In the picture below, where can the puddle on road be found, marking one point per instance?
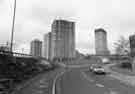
(99, 85)
(87, 78)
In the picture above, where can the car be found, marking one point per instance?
(91, 67)
(96, 69)
(105, 61)
(99, 70)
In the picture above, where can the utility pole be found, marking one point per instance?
(13, 25)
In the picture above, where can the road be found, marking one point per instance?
(76, 80)
(81, 81)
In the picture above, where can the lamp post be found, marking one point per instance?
(13, 25)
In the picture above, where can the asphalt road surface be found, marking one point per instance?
(81, 81)
(76, 80)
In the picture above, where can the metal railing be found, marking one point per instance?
(15, 54)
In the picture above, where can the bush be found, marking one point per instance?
(20, 68)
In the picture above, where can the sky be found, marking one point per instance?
(34, 19)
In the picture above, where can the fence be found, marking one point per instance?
(20, 54)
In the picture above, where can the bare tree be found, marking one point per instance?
(122, 46)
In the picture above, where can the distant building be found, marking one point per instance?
(36, 47)
(63, 40)
(79, 55)
(5, 48)
(101, 42)
(46, 51)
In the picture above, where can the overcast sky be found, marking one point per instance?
(34, 18)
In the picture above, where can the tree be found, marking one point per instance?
(122, 46)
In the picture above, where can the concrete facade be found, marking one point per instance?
(132, 45)
(46, 49)
(132, 50)
(63, 40)
(36, 47)
(101, 42)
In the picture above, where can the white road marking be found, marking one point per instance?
(40, 92)
(54, 82)
(113, 92)
(99, 85)
(43, 86)
(42, 81)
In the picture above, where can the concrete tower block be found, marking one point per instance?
(101, 42)
(63, 40)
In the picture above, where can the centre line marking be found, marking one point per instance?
(86, 77)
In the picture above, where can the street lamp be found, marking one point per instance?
(13, 25)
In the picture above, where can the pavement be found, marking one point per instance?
(128, 80)
(42, 84)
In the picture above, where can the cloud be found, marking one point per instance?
(34, 18)
(46, 10)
